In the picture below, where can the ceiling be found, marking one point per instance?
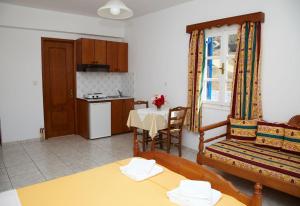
(89, 7)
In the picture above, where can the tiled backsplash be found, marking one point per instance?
(107, 83)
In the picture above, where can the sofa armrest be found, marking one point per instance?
(210, 127)
(213, 126)
(215, 138)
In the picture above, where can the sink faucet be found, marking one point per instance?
(120, 93)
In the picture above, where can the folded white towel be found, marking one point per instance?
(10, 198)
(194, 193)
(141, 169)
(139, 164)
(192, 188)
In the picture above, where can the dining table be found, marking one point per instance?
(147, 119)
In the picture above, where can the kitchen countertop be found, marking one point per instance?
(104, 100)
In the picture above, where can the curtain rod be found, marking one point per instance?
(253, 17)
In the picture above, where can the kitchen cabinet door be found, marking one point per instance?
(83, 118)
(85, 51)
(100, 52)
(117, 116)
(112, 56)
(122, 57)
(127, 107)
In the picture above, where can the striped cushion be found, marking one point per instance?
(243, 130)
(269, 134)
(264, 161)
(291, 139)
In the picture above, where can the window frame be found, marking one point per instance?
(224, 33)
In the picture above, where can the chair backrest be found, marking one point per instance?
(176, 118)
(295, 121)
(140, 102)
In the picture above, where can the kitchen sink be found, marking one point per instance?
(116, 96)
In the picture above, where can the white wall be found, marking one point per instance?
(157, 55)
(46, 20)
(159, 47)
(21, 101)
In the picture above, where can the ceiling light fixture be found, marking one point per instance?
(115, 9)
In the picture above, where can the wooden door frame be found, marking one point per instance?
(43, 40)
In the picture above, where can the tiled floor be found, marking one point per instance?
(29, 162)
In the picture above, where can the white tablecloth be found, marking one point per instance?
(149, 119)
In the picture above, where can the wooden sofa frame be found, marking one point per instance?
(194, 171)
(243, 173)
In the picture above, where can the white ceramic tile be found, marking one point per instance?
(12, 148)
(1, 163)
(26, 179)
(42, 156)
(4, 179)
(83, 165)
(44, 163)
(4, 186)
(21, 169)
(54, 171)
(3, 172)
(107, 83)
(16, 159)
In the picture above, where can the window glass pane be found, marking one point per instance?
(230, 68)
(212, 90)
(214, 68)
(232, 44)
(213, 46)
(228, 91)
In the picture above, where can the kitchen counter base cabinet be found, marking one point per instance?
(119, 114)
(120, 109)
(83, 118)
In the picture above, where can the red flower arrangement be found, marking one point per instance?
(158, 101)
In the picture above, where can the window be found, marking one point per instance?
(220, 54)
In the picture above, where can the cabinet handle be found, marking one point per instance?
(71, 93)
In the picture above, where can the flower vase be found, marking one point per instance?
(158, 108)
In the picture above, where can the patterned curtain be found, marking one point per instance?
(246, 98)
(196, 67)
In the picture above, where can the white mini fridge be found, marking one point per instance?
(99, 119)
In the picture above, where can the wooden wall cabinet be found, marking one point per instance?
(119, 114)
(90, 51)
(93, 51)
(117, 56)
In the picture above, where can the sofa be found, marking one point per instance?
(265, 153)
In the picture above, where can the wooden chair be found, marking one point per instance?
(145, 136)
(139, 102)
(174, 131)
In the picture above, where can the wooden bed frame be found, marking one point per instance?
(239, 172)
(195, 171)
